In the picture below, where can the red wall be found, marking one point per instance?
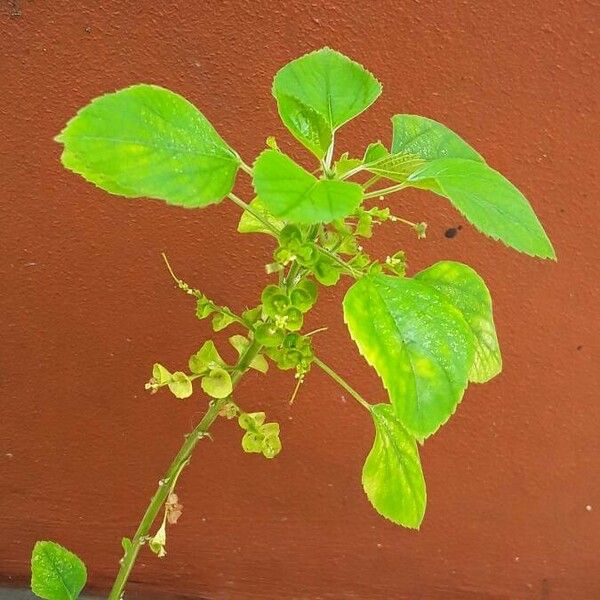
(87, 307)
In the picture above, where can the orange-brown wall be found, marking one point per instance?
(87, 307)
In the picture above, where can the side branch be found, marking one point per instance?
(341, 382)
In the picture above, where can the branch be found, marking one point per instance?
(342, 382)
(177, 465)
(385, 191)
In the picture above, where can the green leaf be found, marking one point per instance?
(462, 286)
(270, 429)
(204, 307)
(489, 201)
(292, 193)
(251, 421)
(271, 446)
(252, 315)
(250, 224)
(252, 442)
(147, 141)
(319, 92)
(392, 477)
(429, 140)
(396, 167)
(305, 124)
(160, 374)
(126, 544)
(345, 164)
(180, 385)
(205, 359)
(419, 344)
(56, 573)
(259, 363)
(374, 152)
(221, 320)
(271, 142)
(239, 342)
(217, 384)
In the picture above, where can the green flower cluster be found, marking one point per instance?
(295, 244)
(260, 437)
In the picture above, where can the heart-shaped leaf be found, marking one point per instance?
(145, 140)
(217, 383)
(419, 344)
(319, 92)
(206, 358)
(180, 385)
(291, 193)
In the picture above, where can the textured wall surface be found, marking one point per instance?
(87, 307)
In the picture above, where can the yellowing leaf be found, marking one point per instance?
(419, 344)
(462, 286)
(145, 140)
(392, 477)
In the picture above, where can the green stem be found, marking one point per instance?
(405, 221)
(385, 191)
(246, 168)
(326, 162)
(165, 486)
(341, 382)
(245, 206)
(352, 172)
(182, 285)
(340, 261)
(371, 181)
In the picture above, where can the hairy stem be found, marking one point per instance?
(341, 382)
(165, 485)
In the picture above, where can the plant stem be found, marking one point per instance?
(385, 191)
(339, 261)
(341, 382)
(371, 181)
(328, 158)
(177, 465)
(245, 206)
(246, 168)
(182, 285)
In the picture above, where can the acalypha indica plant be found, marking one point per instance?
(427, 335)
